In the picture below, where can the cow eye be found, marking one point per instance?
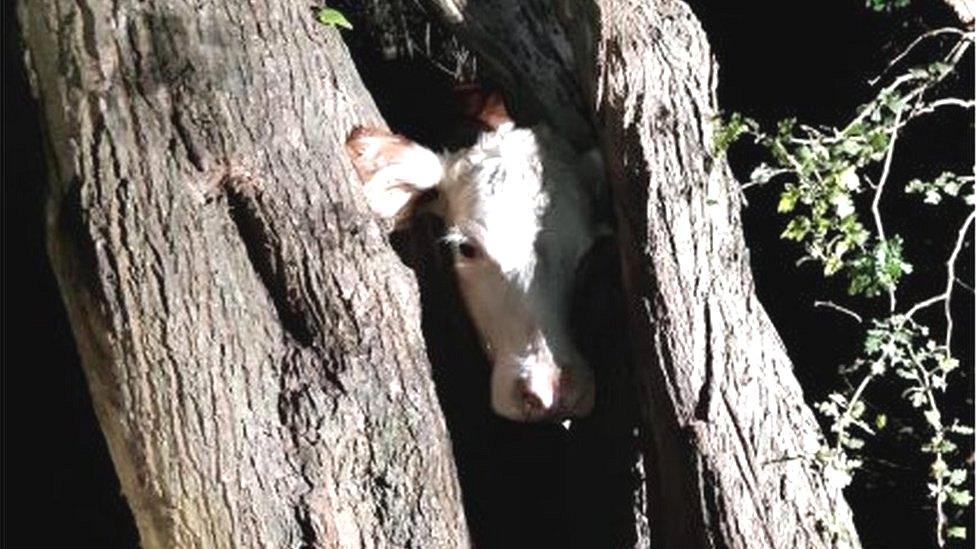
(468, 250)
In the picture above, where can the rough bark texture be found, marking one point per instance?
(727, 435)
(522, 45)
(526, 50)
(251, 342)
(732, 438)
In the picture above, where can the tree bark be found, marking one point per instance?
(728, 440)
(731, 438)
(252, 343)
(250, 340)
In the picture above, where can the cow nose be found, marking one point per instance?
(538, 394)
(532, 403)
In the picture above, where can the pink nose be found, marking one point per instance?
(539, 395)
(531, 401)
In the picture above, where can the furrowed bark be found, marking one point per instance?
(522, 45)
(732, 439)
(728, 440)
(251, 342)
(252, 345)
(526, 50)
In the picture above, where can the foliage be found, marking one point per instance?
(832, 181)
(825, 171)
(887, 5)
(332, 18)
(946, 184)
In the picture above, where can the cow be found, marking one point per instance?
(518, 208)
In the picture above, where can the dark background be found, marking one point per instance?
(805, 59)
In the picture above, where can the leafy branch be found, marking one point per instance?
(823, 171)
(834, 210)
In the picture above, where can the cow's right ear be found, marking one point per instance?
(395, 171)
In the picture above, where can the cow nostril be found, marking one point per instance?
(468, 250)
(532, 401)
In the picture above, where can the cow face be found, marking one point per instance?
(518, 214)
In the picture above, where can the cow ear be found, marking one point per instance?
(488, 108)
(394, 170)
(493, 113)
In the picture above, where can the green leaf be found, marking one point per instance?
(956, 532)
(843, 205)
(849, 180)
(853, 443)
(797, 228)
(946, 184)
(831, 265)
(960, 498)
(333, 18)
(785, 127)
(886, 5)
(957, 477)
(729, 131)
(915, 186)
(961, 429)
(879, 269)
(788, 198)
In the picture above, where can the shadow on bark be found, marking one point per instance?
(533, 484)
(523, 485)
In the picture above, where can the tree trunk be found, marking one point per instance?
(252, 343)
(731, 438)
(728, 440)
(250, 340)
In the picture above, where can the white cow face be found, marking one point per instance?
(518, 214)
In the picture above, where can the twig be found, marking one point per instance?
(934, 418)
(946, 294)
(931, 107)
(951, 276)
(951, 59)
(946, 102)
(907, 50)
(875, 104)
(924, 304)
(836, 307)
(876, 203)
(965, 286)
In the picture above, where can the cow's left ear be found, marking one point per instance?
(487, 107)
(395, 170)
(493, 112)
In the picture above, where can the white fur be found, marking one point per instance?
(520, 197)
(495, 196)
(392, 187)
(517, 195)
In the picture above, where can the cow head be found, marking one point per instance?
(518, 211)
